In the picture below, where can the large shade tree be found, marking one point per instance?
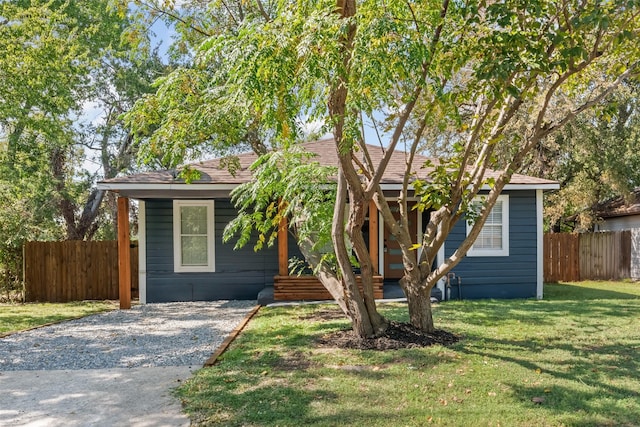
(497, 77)
(58, 59)
(595, 158)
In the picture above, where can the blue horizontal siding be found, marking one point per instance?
(513, 276)
(240, 274)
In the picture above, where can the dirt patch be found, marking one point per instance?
(398, 335)
(293, 362)
(324, 314)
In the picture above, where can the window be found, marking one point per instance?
(193, 242)
(493, 239)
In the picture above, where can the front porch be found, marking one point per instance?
(307, 287)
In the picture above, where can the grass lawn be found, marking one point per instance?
(17, 317)
(577, 352)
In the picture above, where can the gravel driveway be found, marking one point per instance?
(114, 368)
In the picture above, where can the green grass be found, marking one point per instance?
(579, 350)
(18, 317)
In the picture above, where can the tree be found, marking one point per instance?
(58, 57)
(595, 158)
(507, 75)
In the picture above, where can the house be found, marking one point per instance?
(505, 261)
(619, 213)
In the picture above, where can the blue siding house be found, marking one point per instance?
(182, 256)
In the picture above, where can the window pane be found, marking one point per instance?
(495, 216)
(193, 220)
(489, 238)
(194, 250)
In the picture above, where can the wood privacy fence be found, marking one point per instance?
(588, 256)
(74, 271)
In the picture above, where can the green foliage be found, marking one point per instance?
(287, 184)
(58, 58)
(487, 80)
(595, 158)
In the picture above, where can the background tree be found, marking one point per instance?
(59, 59)
(595, 157)
(507, 75)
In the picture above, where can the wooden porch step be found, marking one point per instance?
(293, 288)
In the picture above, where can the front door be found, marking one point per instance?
(393, 267)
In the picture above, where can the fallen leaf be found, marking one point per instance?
(538, 371)
(492, 393)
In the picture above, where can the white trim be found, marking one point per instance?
(549, 186)
(142, 252)
(177, 254)
(115, 186)
(420, 236)
(554, 186)
(174, 186)
(504, 251)
(540, 244)
(439, 261)
(380, 244)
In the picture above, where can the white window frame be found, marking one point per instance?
(177, 236)
(504, 251)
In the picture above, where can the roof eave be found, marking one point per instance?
(133, 186)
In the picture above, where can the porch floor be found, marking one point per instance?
(390, 291)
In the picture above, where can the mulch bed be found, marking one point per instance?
(398, 335)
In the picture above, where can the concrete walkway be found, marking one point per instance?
(139, 397)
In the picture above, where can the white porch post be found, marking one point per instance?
(142, 252)
(540, 244)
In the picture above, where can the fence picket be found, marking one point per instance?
(587, 256)
(74, 270)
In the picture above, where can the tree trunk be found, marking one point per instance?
(419, 303)
(360, 319)
(354, 230)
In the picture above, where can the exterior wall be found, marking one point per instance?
(619, 223)
(240, 274)
(513, 276)
(635, 253)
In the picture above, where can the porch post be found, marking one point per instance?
(283, 248)
(373, 236)
(124, 254)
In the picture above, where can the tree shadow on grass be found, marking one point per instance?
(292, 390)
(598, 382)
(568, 291)
(544, 313)
(581, 408)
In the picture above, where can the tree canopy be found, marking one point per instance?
(494, 79)
(60, 58)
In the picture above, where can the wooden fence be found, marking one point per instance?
(74, 271)
(587, 256)
(561, 257)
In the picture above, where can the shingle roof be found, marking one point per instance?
(212, 172)
(619, 206)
